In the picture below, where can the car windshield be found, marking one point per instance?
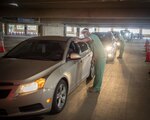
(38, 50)
(105, 37)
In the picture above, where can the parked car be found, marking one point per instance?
(109, 42)
(137, 36)
(38, 74)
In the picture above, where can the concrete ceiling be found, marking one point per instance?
(115, 12)
(77, 3)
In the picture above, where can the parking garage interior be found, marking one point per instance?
(125, 89)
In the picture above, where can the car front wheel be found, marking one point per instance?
(60, 97)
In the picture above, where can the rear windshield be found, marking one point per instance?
(105, 37)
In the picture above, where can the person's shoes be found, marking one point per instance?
(119, 57)
(92, 90)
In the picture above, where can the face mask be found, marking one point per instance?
(86, 35)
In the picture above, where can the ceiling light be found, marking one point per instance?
(14, 4)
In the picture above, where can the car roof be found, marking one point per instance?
(116, 32)
(103, 35)
(52, 38)
(99, 33)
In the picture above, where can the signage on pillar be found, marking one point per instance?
(24, 20)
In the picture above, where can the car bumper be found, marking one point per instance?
(30, 104)
(110, 54)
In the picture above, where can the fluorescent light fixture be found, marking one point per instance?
(14, 4)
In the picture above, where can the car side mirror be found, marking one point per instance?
(75, 56)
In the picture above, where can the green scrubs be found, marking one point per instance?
(100, 60)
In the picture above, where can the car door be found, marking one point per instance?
(74, 67)
(86, 55)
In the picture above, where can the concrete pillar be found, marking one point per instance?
(40, 30)
(1, 28)
(1, 31)
(140, 31)
(64, 30)
(6, 29)
(126, 28)
(25, 29)
(96, 29)
(111, 29)
(78, 31)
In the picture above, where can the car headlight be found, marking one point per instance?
(31, 87)
(118, 43)
(108, 48)
(109, 55)
(127, 34)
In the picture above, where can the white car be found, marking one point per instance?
(109, 42)
(38, 74)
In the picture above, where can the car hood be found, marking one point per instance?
(21, 69)
(105, 44)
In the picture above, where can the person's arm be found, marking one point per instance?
(88, 39)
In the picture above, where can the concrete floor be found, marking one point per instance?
(125, 93)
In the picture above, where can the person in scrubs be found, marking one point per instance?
(121, 49)
(98, 56)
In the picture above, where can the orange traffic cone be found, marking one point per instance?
(2, 48)
(148, 54)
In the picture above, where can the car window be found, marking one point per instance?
(109, 36)
(73, 48)
(38, 50)
(83, 46)
(101, 35)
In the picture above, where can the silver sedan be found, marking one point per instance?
(38, 74)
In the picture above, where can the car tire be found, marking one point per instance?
(60, 97)
(92, 73)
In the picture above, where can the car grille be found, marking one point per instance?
(3, 112)
(30, 108)
(4, 93)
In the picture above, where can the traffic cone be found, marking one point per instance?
(148, 54)
(147, 57)
(2, 48)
